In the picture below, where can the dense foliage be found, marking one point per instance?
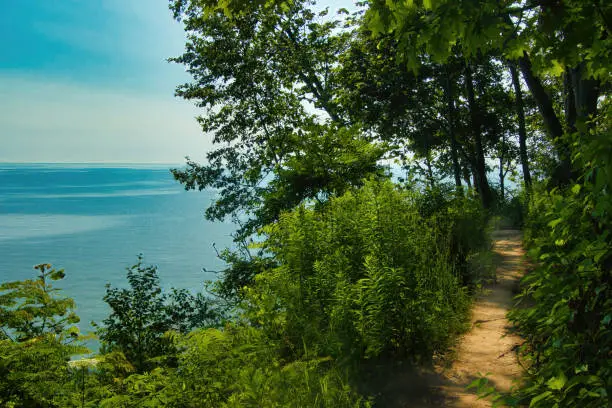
(341, 263)
(375, 273)
(141, 315)
(37, 338)
(366, 276)
(568, 326)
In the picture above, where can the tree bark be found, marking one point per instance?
(466, 177)
(502, 178)
(480, 172)
(545, 106)
(451, 128)
(520, 112)
(430, 176)
(586, 92)
(551, 121)
(502, 175)
(570, 101)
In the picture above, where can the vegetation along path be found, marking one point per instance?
(487, 347)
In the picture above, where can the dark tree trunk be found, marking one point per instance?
(586, 92)
(570, 101)
(520, 112)
(451, 128)
(466, 166)
(543, 100)
(502, 178)
(502, 174)
(551, 121)
(480, 172)
(430, 175)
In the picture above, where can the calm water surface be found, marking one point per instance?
(94, 221)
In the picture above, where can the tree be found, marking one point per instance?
(38, 336)
(141, 315)
(447, 115)
(544, 38)
(480, 172)
(264, 77)
(520, 113)
(397, 106)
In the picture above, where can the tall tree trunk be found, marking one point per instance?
(570, 101)
(502, 178)
(586, 92)
(545, 106)
(466, 166)
(480, 172)
(502, 174)
(520, 112)
(551, 121)
(448, 90)
(430, 176)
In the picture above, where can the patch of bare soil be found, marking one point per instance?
(486, 348)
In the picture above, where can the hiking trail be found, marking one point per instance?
(487, 347)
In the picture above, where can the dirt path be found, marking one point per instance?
(487, 348)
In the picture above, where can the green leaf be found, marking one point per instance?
(581, 368)
(557, 69)
(557, 383)
(375, 23)
(539, 398)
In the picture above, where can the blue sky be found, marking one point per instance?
(87, 81)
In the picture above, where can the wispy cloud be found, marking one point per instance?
(60, 121)
(86, 81)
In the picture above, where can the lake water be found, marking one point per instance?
(93, 222)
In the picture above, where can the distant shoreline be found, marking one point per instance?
(76, 165)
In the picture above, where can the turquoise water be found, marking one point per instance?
(93, 221)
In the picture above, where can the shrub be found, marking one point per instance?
(568, 329)
(142, 314)
(368, 275)
(237, 367)
(37, 338)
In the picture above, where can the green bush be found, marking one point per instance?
(142, 314)
(568, 328)
(38, 337)
(376, 273)
(236, 367)
(366, 276)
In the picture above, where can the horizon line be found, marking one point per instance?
(91, 163)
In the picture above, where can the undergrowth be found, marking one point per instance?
(379, 274)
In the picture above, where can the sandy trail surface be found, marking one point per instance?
(487, 348)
